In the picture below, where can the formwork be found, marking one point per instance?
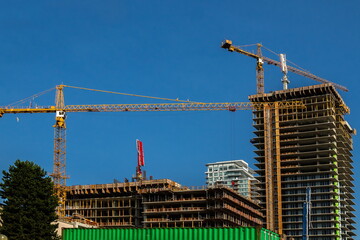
(305, 148)
(243, 233)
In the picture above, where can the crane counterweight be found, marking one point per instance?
(227, 44)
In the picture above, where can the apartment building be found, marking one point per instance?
(235, 174)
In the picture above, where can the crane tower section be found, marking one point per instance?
(59, 168)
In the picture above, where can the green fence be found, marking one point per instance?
(241, 233)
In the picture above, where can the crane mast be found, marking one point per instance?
(259, 71)
(59, 168)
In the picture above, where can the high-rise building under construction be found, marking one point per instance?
(305, 148)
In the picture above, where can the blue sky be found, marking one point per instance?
(167, 49)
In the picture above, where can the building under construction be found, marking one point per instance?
(161, 203)
(300, 149)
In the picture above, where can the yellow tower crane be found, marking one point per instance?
(60, 109)
(227, 44)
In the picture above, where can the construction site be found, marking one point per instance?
(161, 203)
(302, 190)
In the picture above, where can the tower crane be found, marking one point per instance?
(227, 44)
(60, 109)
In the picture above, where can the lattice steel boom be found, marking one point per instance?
(160, 107)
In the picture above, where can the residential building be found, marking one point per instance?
(235, 174)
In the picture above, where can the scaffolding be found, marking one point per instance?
(162, 203)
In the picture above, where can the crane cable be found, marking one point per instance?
(31, 97)
(286, 59)
(248, 45)
(277, 54)
(129, 94)
(89, 89)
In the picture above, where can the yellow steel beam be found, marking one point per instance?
(269, 179)
(278, 169)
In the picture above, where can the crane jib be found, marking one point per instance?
(152, 107)
(227, 44)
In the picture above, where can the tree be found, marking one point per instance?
(28, 203)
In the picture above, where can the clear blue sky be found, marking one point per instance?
(167, 49)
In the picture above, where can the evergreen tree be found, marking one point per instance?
(28, 203)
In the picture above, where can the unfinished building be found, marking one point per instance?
(304, 148)
(161, 203)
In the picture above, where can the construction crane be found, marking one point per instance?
(60, 109)
(227, 44)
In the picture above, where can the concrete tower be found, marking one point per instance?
(300, 148)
